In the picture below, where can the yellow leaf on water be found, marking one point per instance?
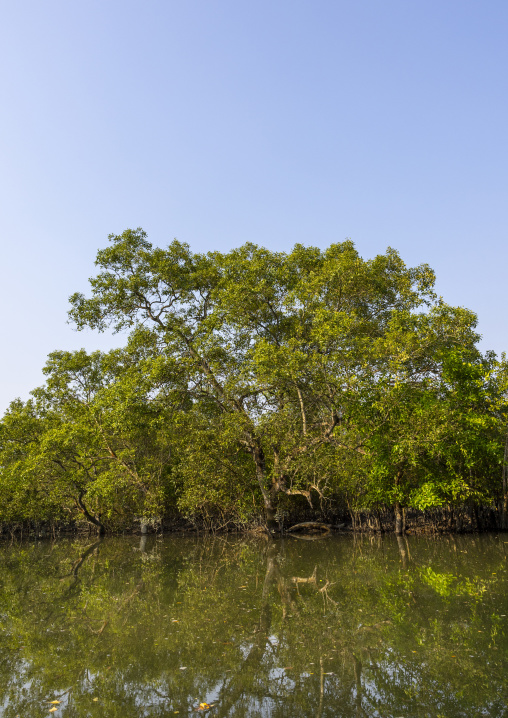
(52, 710)
(55, 702)
(95, 699)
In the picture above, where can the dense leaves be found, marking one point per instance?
(257, 383)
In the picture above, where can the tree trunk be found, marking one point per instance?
(88, 516)
(399, 528)
(269, 496)
(399, 516)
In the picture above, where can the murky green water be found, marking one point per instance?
(337, 627)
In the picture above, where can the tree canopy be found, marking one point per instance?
(252, 381)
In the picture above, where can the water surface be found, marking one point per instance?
(344, 626)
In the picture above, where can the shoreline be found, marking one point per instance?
(311, 530)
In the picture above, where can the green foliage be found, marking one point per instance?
(252, 379)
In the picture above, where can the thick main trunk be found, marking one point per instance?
(268, 495)
(89, 517)
(399, 513)
(399, 519)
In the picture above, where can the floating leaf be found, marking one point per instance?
(55, 702)
(52, 710)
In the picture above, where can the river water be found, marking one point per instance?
(341, 626)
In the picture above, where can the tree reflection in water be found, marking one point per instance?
(345, 626)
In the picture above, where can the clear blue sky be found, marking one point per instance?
(226, 121)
